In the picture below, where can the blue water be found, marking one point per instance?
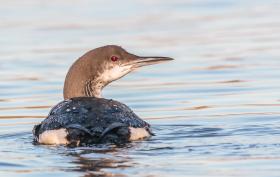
(214, 110)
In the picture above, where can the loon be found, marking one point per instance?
(84, 117)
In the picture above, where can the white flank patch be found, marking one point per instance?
(138, 133)
(54, 137)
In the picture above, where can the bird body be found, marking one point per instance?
(89, 120)
(84, 118)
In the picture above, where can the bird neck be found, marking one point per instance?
(83, 80)
(83, 87)
(93, 88)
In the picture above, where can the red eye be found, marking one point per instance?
(114, 58)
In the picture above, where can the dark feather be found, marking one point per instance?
(91, 120)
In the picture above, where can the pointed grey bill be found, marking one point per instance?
(144, 61)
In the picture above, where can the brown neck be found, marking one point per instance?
(82, 79)
(93, 88)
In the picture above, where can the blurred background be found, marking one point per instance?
(215, 109)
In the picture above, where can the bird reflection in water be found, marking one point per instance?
(94, 161)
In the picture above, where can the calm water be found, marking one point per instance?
(215, 109)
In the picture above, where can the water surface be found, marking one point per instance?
(214, 110)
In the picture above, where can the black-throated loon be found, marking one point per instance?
(85, 118)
